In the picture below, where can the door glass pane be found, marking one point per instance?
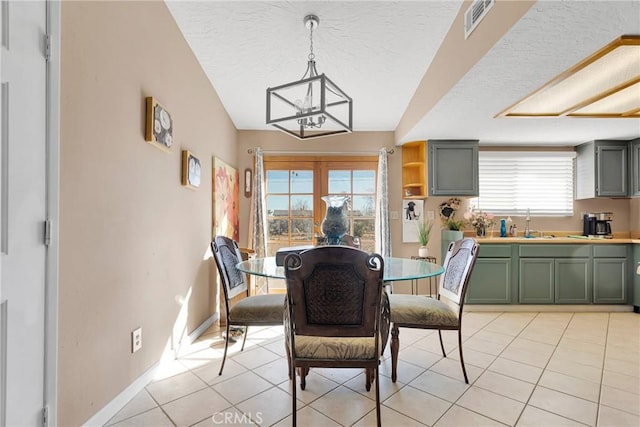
(277, 205)
(302, 181)
(339, 182)
(301, 230)
(277, 181)
(302, 205)
(363, 206)
(364, 181)
(289, 201)
(365, 229)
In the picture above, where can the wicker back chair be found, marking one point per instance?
(265, 310)
(334, 298)
(422, 312)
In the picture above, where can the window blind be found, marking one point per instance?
(512, 182)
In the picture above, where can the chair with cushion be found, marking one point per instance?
(333, 312)
(258, 310)
(443, 313)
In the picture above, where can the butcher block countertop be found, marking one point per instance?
(561, 237)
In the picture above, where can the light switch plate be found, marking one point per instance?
(136, 340)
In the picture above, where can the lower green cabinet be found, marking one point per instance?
(572, 281)
(555, 281)
(490, 282)
(536, 281)
(554, 274)
(611, 276)
(493, 278)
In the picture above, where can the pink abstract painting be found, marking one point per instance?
(226, 198)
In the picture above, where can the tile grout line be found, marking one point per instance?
(537, 384)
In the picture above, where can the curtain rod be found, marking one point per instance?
(326, 153)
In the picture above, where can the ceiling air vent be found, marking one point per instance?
(475, 13)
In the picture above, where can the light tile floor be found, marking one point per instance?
(525, 369)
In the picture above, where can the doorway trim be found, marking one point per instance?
(50, 398)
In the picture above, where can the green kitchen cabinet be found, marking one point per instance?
(555, 274)
(492, 279)
(555, 281)
(453, 167)
(635, 167)
(536, 281)
(602, 169)
(573, 282)
(610, 274)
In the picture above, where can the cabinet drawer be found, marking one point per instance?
(494, 251)
(609, 251)
(554, 251)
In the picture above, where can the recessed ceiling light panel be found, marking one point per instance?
(603, 85)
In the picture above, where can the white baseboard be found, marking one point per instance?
(101, 417)
(547, 308)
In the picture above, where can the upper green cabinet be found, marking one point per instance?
(453, 167)
(602, 169)
(635, 167)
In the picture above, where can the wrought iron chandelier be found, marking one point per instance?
(313, 106)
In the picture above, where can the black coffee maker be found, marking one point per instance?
(597, 224)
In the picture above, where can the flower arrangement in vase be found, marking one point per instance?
(480, 221)
(424, 232)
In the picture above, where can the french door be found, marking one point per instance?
(294, 187)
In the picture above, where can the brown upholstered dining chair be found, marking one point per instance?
(333, 313)
(257, 310)
(443, 313)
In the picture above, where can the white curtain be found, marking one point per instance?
(383, 232)
(258, 218)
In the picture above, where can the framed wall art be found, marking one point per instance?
(190, 170)
(158, 126)
(412, 211)
(226, 200)
(248, 182)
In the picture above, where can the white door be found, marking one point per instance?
(23, 202)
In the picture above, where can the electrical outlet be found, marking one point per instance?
(431, 215)
(136, 340)
(394, 215)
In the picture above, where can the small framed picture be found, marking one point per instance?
(190, 170)
(248, 174)
(158, 126)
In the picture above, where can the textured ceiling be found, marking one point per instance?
(378, 51)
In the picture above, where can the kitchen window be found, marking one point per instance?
(513, 181)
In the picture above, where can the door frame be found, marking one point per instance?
(50, 398)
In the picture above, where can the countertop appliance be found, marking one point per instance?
(597, 224)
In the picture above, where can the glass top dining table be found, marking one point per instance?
(395, 269)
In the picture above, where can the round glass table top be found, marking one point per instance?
(395, 269)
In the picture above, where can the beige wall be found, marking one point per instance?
(132, 239)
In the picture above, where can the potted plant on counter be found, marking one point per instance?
(424, 231)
